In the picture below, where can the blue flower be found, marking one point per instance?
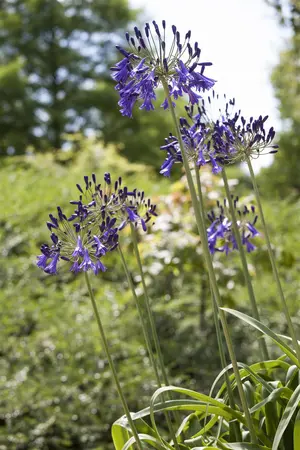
(79, 250)
(75, 242)
(147, 64)
(42, 261)
(230, 134)
(92, 230)
(115, 206)
(75, 267)
(87, 263)
(220, 233)
(51, 268)
(100, 247)
(197, 145)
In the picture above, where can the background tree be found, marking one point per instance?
(52, 54)
(55, 78)
(283, 176)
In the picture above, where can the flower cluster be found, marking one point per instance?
(149, 62)
(234, 136)
(220, 234)
(224, 140)
(101, 212)
(197, 146)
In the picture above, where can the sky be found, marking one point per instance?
(242, 39)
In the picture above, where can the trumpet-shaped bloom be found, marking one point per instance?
(149, 62)
(220, 233)
(92, 230)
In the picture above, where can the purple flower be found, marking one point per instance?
(51, 268)
(198, 149)
(79, 250)
(42, 261)
(220, 233)
(76, 243)
(101, 250)
(167, 166)
(230, 134)
(75, 267)
(215, 167)
(146, 64)
(93, 229)
(133, 217)
(99, 267)
(87, 263)
(114, 206)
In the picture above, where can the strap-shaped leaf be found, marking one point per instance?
(297, 432)
(276, 394)
(267, 332)
(153, 442)
(119, 435)
(286, 417)
(246, 446)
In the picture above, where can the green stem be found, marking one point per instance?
(111, 364)
(152, 326)
(148, 307)
(255, 312)
(141, 316)
(207, 256)
(273, 263)
(235, 427)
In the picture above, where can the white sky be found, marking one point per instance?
(241, 38)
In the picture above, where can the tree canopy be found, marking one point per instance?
(283, 175)
(53, 53)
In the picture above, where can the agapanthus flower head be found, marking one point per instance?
(77, 243)
(220, 233)
(92, 231)
(198, 146)
(114, 205)
(151, 61)
(232, 136)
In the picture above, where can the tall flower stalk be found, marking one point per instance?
(148, 340)
(111, 364)
(152, 325)
(255, 312)
(228, 139)
(144, 322)
(148, 307)
(83, 239)
(221, 346)
(273, 262)
(138, 75)
(208, 261)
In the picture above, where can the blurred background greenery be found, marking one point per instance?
(59, 120)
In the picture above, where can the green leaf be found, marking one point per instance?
(203, 430)
(119, 435)
(246, 446)
(205, 448)
(297, 432)
(266, 331)
(286, 417)
(252, 371)
(121, 429)
(205, 403)
(149, 439)
(276, 394)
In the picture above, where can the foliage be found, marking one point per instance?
(52, 54)
(288, 12)
(56, 390)
(55, 82)
(273, 393)
(283, 175)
